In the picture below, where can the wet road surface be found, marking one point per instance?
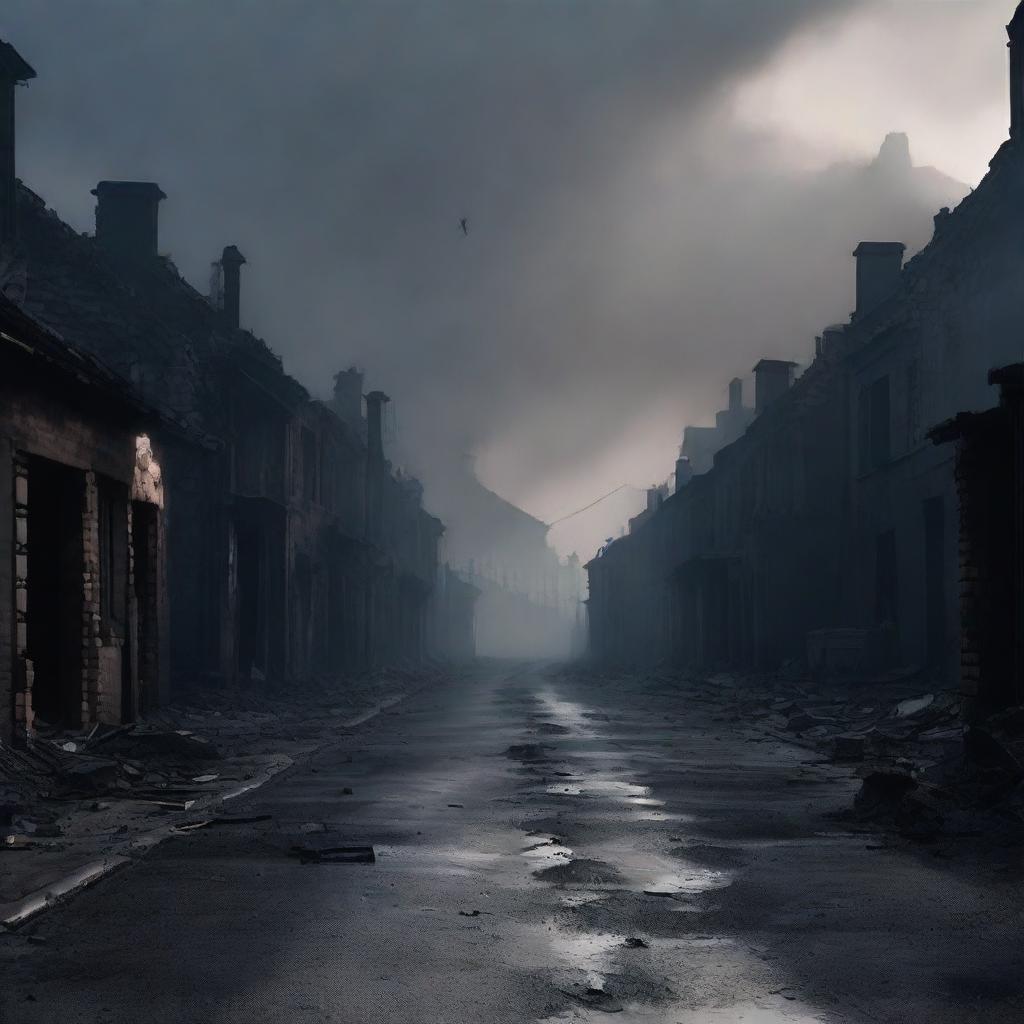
(547, 848)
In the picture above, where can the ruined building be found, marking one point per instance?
(83, 612)
(701, 443)
(530, 602)
(990, 530)
(828, 531)
(287, 544)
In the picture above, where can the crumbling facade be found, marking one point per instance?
(990, 534)
(284, 542)
(701, 443)
(83, 595)
(827, 531)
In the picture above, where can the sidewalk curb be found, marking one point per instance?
(64, 888)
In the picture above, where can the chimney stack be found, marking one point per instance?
(735, 394)
(1015, 31)
(13, 70)
(772, 378)
(126, 218)
(348, 398)
(375, 401)
(878, 273)
(231, 261)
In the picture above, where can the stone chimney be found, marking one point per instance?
(126, 218)
(348, 398)
(772, 378)
(13, 71)
(375, 402)
(231, 262)
(1015, 31)
(878, 273)
(735, 394)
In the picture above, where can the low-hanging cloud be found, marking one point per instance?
(628, 248)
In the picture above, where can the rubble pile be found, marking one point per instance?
(69, 797)
(925, 772)
(50, 778)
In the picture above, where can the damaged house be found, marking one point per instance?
(83, 627)
(828, 531)
(292, 548)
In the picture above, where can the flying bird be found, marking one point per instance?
(464, 225)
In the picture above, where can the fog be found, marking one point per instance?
(657, 194)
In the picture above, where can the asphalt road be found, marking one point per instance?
(547, 848)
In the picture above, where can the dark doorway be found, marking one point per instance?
(887, 595)
(145, 520)
(302, 611)
(935, 581)
(54, 609)
(251, 605)
(115, 614)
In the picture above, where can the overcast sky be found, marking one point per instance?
(636, 175)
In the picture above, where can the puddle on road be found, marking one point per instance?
(689, 884)
(547, 853)
(566, 713)
(591, 967)
(602, 786)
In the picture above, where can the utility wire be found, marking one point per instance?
(597, 501)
